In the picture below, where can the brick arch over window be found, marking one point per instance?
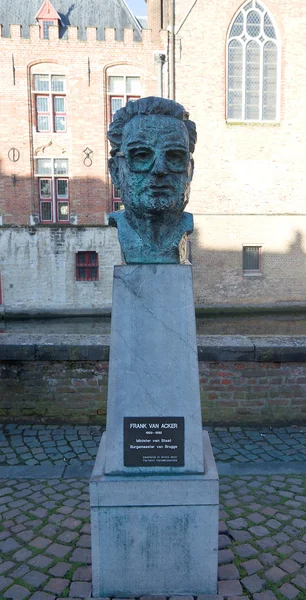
(253, 65)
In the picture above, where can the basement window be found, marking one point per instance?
(87, 267)
(252, 260)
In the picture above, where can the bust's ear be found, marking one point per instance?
(190, 169)
(114, 171)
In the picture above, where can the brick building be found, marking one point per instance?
(239, 70)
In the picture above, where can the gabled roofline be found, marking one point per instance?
(137, 24)
(46, 11)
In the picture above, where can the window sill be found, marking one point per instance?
(252, 274)
(253, 123)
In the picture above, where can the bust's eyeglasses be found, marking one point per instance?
(141, 160)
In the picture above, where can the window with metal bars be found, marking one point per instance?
(253, 56)
(251, 259)
(87, 267)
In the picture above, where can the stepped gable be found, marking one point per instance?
(80, 13)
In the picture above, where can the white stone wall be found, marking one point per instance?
(38, 268)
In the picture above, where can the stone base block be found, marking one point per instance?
(154, 535)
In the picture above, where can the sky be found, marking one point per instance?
(138, 7)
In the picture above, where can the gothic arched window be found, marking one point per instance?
(253, 57)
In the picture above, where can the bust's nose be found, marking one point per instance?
(160, 167)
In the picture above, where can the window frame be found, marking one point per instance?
(248, 6)
(45, 24)
(51, 95)
(55, 199)
(253, 272)
(88, 265)
(125, 97)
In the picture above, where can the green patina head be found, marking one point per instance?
(152, 141)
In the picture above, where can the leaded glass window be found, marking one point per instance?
(253, 56)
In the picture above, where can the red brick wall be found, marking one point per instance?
(86, 115)
(76, 392)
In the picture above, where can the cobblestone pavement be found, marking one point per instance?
(33, 445)
(45, 539)
(68, 445)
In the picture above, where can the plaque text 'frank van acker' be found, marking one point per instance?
(154, 441)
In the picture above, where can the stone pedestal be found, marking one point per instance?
(154, 535)
(154, 488)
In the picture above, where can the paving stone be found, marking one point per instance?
(239, 523)
(17, 592)
(225, 556)
(275, 574)
(200, 597)
(42, 596)
(20, 571)
(259, 530)
(281, 537)
(299, 523)
(5, 582)
(224, 541)
(300, 581)
(246, 550)
(289, 591)
(9, 545)
(41, 543)
(26, 536)
(228, 572)
(49, 530)
(82, 589)
(222, 526)
(256, 518)
(71, 523)
(65, 510)
(253, 583)
(60, 569)
(84, 541)
(82, 555)
(67, 536)
(241, 536)
(40, 561)
(58, 550)
(22, 554)
(82, 574)
(57, 585)
(252, 566)
(300, 557)
(230, 588)
(6, 566)
(299, 545)
(35, 578)
(290, 565)
(266, 543)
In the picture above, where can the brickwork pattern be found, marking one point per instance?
(253, 392)
(87, 115)
(76, 392)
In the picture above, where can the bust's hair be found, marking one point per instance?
(149, 106)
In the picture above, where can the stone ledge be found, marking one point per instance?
(279, 348)
(211, 348)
